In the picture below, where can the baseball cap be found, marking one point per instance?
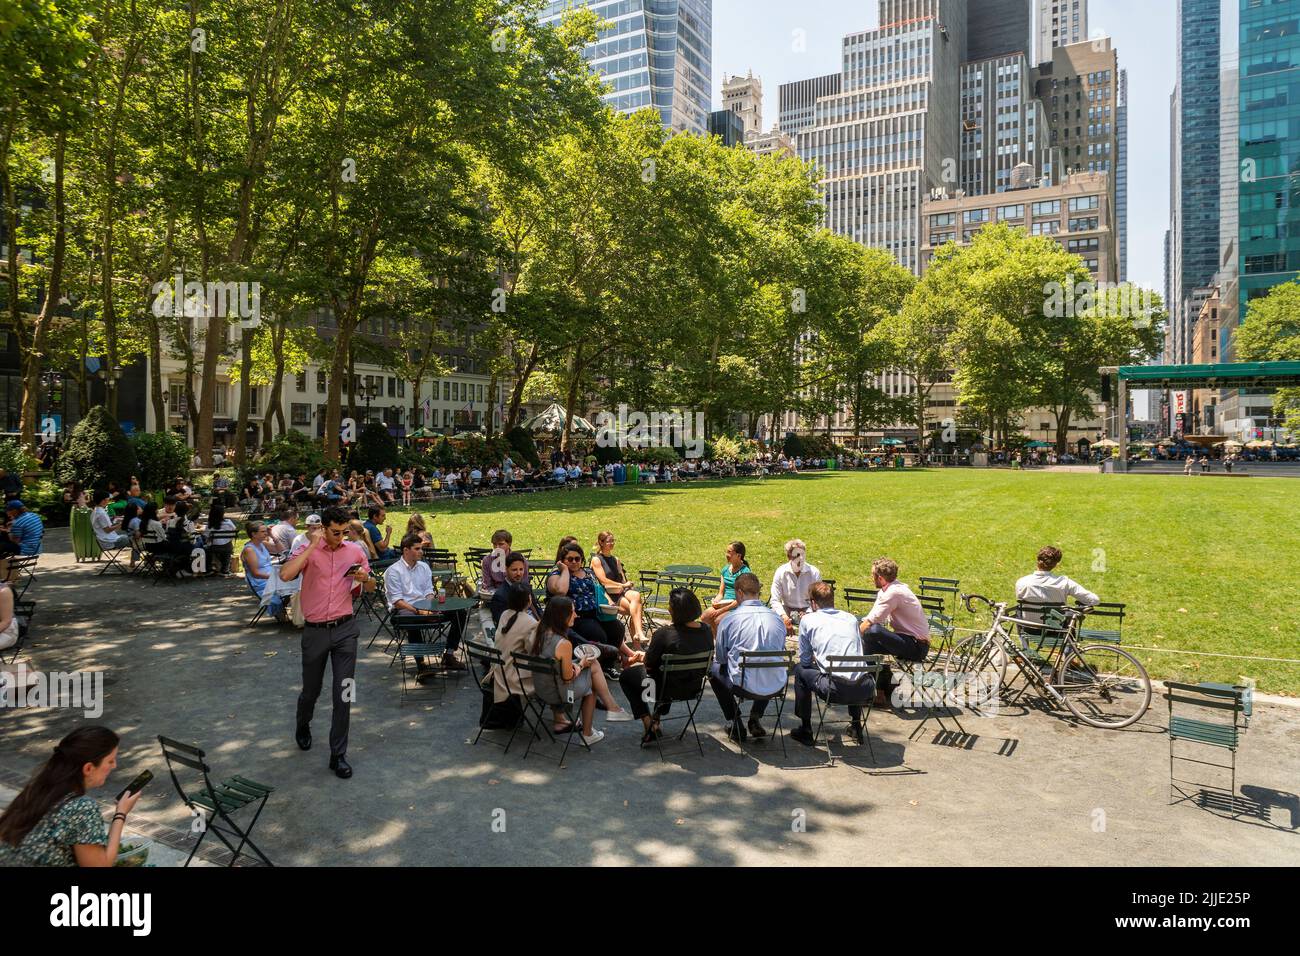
(14, 505)
(313, 519)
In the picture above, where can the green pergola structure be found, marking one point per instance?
(1255, 376)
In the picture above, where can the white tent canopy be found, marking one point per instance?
(551, 422)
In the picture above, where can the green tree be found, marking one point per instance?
(1270, 332)
(97, 452)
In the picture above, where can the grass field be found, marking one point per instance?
(1204, 564)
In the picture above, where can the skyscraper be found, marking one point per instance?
(1194, 217)
(888, 136)
(1060, 23)
(796, 101)
(1121, 174)
(654, 53)
(999, 27)
(743, 95)
(1002, 124)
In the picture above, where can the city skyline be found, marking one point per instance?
(782, 43)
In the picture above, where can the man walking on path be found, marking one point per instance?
(333, 569)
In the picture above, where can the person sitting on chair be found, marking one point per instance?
(752, 626)
(493, 567)
(828, 632)
(375, 517)
(1044, 587)
(726, 598)
(24, 531)
(516, 576)
(612, 576)
(571, 578)
(515, 635)
(256, 560)
(790, 584)
(581, 681)
(406, 581)
(686, 635)
(108, 531)
(898, 607)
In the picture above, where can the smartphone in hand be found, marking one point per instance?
(136, 785)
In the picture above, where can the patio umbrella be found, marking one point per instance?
(1039, 444)
(1166, 443)
(1258, 443)
(422, 433)
(551, 422)
(892, 441)
(1230, 443)
(1106, 443)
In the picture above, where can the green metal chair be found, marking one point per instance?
(1106, 613)
(216, 803)
(947, 588)
(1213, 700)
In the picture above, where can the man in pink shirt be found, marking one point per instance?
(898, 607)
(333, 569)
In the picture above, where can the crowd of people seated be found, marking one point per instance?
(575, 609)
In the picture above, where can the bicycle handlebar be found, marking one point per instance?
(967, 598)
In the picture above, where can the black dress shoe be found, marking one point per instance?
(855, 731)
(303, 736)
(804, 737)
(756, 729)
(341, 768)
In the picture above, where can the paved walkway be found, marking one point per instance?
(1031, 788)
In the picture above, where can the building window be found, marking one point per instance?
(1050, 208)
(446, 391)
(300, 414)
(254, 400)
(392, 387)
(321, 381)
(300, 382)
(220, 403)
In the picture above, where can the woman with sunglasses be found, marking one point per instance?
(569, 578)
(612, 577)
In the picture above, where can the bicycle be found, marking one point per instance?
(1100, 684)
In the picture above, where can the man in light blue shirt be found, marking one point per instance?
(825, 633)
(750, 626)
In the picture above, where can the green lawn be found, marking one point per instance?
(1204, 564)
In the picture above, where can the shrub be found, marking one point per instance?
(97, 452)
(292, 452)
(522, 446)
(735, 449)
(375, 449)
(162, 456)
(14, 459)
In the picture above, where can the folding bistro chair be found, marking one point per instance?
(22, 572)
(217, 803)
(862, 598)
(1108, 613)
(112, 554)
(441, 559)
(407, 653)
(947, 588)
(759, 661)
(863, 664)
(686, 673)
(485, 660)
(535, 707)
(1214, 700)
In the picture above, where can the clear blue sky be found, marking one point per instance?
(758, 35)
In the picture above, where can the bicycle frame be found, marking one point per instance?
(1017, 654)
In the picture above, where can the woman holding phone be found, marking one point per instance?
(52, 822)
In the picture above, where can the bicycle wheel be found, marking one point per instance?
(974, 671)
(1103, 685)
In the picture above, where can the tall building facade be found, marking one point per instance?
(1121, 174)
(1268, 143)
(652, 53)
(743, 95)
(999, 27)
(885, 139)
(1002, 124)
(1060, 23)
(796, 101)
(1194, 215)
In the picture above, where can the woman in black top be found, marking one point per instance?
(686, 635)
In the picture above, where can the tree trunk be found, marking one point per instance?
(1062, 430)
(517, 397)
(245, 370)
(575, 372)
(53, 292)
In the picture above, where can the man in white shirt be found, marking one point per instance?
(406, 581)
(384, 484)
(316, 483)
(1045, 587)
(283, 532)
(108, 530)
(824, 633)
(791, 582)
(302, 540)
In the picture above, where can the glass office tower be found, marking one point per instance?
(653, 53)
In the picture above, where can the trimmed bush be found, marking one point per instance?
(293, 452)
(522, 446)
(375, 449)
(162, 456)
(97, 452)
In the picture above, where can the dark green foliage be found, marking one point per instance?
(162, 457)
(375, 449)
(97, 452)
(522, 447)
(293, 453)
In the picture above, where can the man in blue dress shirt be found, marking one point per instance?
(751, 626)
(828, 632)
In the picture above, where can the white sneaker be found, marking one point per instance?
(595, 738)
(618, 716)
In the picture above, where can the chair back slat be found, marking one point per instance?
(685, 663)
(537, 665)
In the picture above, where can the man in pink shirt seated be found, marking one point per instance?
(897, 607)
(333, 569)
